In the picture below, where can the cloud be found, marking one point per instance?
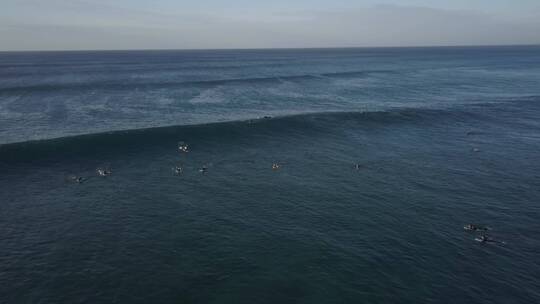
(83, 25)
(389, 25)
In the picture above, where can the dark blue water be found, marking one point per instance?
(443, 137)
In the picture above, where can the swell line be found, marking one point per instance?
(308, 124)
(197, 83)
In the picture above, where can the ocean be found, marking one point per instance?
(309, 176)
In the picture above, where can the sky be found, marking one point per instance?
(219, 24)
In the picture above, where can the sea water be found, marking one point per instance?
(384, 155)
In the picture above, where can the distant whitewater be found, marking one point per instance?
(56, 94)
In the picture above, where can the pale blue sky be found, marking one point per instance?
(166, 24)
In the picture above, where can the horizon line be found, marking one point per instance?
(270, 48)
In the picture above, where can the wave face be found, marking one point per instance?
(88, 145)
(55, 94)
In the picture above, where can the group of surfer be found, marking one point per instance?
(184, 148)
(178, 169)
(99, 171)
(483, 238)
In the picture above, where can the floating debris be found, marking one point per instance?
(471, 133)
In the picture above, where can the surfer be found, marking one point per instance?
(77, 179)
(275, 166)
(203, 169)
(183, 147)
(357, 166)
(104, 172)
(486, 239)
(473, 227)
(178, 170)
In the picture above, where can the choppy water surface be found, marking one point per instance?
(442, 137)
